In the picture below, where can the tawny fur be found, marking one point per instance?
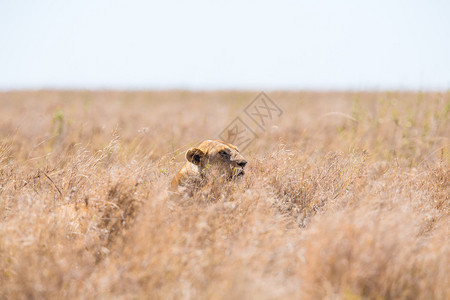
(212, 158)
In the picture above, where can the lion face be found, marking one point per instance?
(217, 158)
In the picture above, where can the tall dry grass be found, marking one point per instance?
(345, 197)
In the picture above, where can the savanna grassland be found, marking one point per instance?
(346, 196)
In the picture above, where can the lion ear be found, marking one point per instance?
(194, 155)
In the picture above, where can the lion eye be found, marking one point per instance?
(224, 153)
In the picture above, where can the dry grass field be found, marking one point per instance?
(346, 196)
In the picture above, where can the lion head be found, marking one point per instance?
(211, 159)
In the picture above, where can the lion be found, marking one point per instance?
(212, 159)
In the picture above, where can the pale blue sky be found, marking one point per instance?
(228, 44)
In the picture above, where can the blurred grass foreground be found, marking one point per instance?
(345, 197)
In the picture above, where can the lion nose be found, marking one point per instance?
(242, 163)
